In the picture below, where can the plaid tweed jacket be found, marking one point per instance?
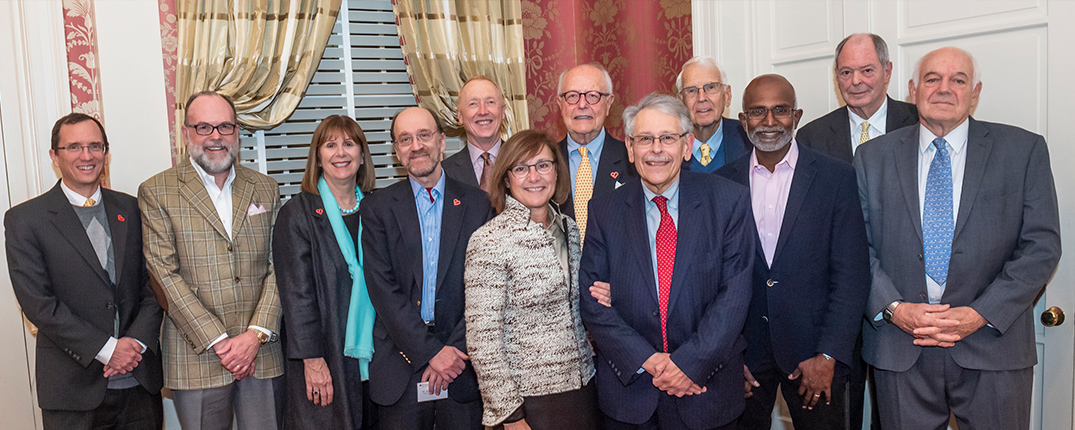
(212, 284)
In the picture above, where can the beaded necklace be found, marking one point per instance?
(353, 209)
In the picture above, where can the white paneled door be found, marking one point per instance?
(1024, 49)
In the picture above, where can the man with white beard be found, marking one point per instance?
(806, 303)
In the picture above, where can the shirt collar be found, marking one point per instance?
(594, 147)
(208, 179)
(672, 194)
(877, 120)
(476, 152)
(791, 158)
(77, 199)
(957, 138)
(714, 141)
(419, 189)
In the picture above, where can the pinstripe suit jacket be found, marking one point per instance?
(213, 284)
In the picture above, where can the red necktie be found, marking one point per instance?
(487, 171)
(666, 262)
(430, 191)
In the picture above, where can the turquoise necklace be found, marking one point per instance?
(352, 210)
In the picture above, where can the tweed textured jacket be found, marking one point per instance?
(524, 330)
(213, 284)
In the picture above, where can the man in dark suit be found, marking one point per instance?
(414, 237)
(811, 271)
(717, 140)
(862, 73)
(75, 255)
(585, 97)
(670, 347)
(480, 109)
(964, 233)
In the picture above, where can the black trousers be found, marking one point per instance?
(445, 414)
(126, 409)
(759, 408)
(575, 409)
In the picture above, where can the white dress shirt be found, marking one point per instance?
(877, 125)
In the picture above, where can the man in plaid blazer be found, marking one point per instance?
(207, 224)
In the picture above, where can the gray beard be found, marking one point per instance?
(781, 141)
(215, 168)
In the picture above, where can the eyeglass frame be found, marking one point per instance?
(216, 128)
(763, 112)
(523, 174)
(567, 94)
(672, 139)
(77, 148)
(717, 87)
(416, 137)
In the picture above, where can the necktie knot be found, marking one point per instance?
(865, 136)
(584, 152)
(941, 145)
(89, 203)
(662, 203)
(706, 157)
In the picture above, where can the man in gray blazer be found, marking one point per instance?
(964, 232)
(481, 110)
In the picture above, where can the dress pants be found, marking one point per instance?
(444, 414)
(252, 402)
(666, 417)
(759, 406)
(575, 409)
(124, 409)
(922, 397)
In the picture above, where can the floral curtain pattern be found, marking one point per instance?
(447, 42)
(169, 46)
(641, 43)
(80, 35)
(261, 53)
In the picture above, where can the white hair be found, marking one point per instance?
(975, 79)
(596, 65)
(704, 61)
(662, 103)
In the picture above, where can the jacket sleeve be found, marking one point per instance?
(291, 249)
(267, 312)
(146, 326)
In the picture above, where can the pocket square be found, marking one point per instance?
(619, 184)
(255, 209)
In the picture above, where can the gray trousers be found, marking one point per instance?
(923, 397)
(251, 402)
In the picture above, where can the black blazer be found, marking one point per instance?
(821, 269)
(315, 295)
(459, 167)
(734, 144)
(612, 168)
(65, 292)
(831, 134)
(392, 248)
(707, 306)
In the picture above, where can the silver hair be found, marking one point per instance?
(879, 46)
(662, 103)
(975, 79)
(596, 65)
(701, 60)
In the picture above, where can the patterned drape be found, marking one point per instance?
(446, 42)
(641, 43)
(262, 53)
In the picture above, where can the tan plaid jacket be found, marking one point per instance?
(213, 285)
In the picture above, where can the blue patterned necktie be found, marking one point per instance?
(937, 221)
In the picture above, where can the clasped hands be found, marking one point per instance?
(816, 380)
(443, 368)
(937, 325)
(125, 357)
(237, 353)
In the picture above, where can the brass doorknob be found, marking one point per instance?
(1052, 317)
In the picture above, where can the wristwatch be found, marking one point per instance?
(890, 310)
(262, 337)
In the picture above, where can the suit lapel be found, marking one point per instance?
(406, 213)
(193, 190)
(117, 225)
(801, 180)
(638, 235)
(610, 168)
(65, 220)
(741, 173)
(687, 234)
(568, 207)
(451, 226)
(841, 131)
(897, 116)
(906, 154)
(979, 145)
(242, 194)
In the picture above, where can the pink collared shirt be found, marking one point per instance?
(769, 197)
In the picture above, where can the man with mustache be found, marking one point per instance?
(480, 109)
(414, 238)
(717, 140)
(810, 273)
(674, 249)
(207, 224)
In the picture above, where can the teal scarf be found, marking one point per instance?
(358, 338)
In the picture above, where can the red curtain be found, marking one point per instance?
(642, 43)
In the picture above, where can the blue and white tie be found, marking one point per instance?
(937, 221)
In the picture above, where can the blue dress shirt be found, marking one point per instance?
(429, 217)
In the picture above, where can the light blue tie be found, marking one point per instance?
(937, 221)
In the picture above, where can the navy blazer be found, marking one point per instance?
(707, 304)
(1005, 246)
(65, 292)
(807, 302)
(392, 253)
(613, 168)
(831, 134)
(734, 144)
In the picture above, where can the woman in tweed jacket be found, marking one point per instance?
(524, 332)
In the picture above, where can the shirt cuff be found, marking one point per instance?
(143, 346)
(218, 339)
(261, 329)
(106, 351)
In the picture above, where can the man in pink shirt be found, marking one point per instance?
(811, 273)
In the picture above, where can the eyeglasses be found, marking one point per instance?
(665, 139)
(778, 112)
(543, 167)
(711, 88)
(424, 136)
(592, 97)
(205, 129)
(76, 148)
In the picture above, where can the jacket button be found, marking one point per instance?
(229, 248)
(110, 305)
(765, 319)
(770, 282)
(921, 257)
(236, 279)
(655, 313)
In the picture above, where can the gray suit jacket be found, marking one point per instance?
(1005, 248)
(831, 134)
(459, 167)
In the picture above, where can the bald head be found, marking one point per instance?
(769, 85)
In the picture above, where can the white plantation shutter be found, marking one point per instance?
(361, 75)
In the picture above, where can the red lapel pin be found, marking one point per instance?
(614, 175)
(120, 218)
(456, 202)
(320, 211)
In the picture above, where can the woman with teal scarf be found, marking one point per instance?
(327, 327)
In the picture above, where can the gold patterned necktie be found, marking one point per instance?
(706, 158)
(89, 203)
(583, 190)
(865, 136)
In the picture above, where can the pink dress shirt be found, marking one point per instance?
(769, 197)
